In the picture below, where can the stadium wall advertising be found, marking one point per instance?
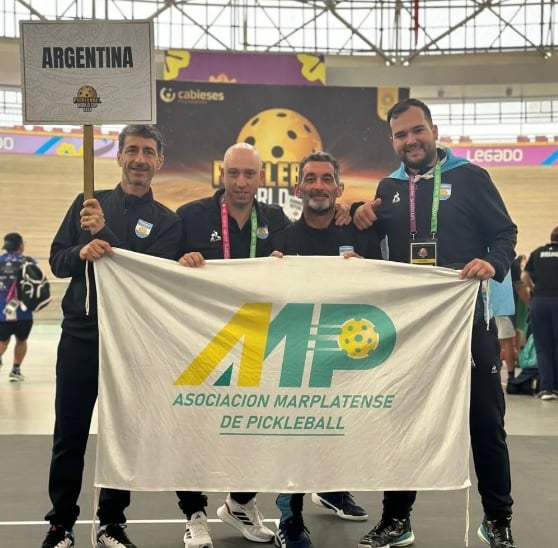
(521, 154)
(56, 142)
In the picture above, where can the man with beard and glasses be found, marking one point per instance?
(315, 233)
(442, 210)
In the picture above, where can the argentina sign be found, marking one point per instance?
(88, 72)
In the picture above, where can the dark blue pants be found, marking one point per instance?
(544, 325)
(290, 504)
(77, 369)
(488, 437)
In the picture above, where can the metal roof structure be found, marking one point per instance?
(397, 31)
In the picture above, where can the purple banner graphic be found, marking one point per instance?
(245, 68)
(54, 143)
(512, 154)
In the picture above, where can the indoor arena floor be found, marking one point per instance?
(439, 519)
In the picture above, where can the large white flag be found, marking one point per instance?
(283, 375)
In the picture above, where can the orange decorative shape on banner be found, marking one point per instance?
(222, 79)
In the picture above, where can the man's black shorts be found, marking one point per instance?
(20, 329)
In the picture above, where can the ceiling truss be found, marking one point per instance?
(398, 31)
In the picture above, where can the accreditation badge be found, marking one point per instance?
(424, 252)
(10, 310)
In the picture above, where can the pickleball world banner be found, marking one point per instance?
(201, 120)
(324, 378)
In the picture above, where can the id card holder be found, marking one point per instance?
(424, 252)
(10, 310)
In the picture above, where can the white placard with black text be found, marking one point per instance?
(88, 72)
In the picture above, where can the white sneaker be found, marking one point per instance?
(246, 518)
(197, 532)
(15, 376)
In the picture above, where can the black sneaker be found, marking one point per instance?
(114, 534)
(389, 532)
(497, 533)
(342, 503)
(292, 533)
(58, 537)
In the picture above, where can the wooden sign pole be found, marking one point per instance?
(88, 167)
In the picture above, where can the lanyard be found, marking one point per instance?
(435, 202)
(226, 234)
(412, 205)
(12, 292)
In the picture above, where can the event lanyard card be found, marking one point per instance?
(10, 310)
(424, 252)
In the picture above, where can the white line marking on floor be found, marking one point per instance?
(88, 522)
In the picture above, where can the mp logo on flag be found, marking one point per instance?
(350, 337)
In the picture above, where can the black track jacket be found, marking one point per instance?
(201, 229)
(137, 224)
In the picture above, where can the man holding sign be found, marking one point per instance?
(127, 217)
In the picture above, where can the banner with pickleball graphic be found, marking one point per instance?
(200, 120)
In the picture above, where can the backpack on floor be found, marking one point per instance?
(526, 383)
(33, 288)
